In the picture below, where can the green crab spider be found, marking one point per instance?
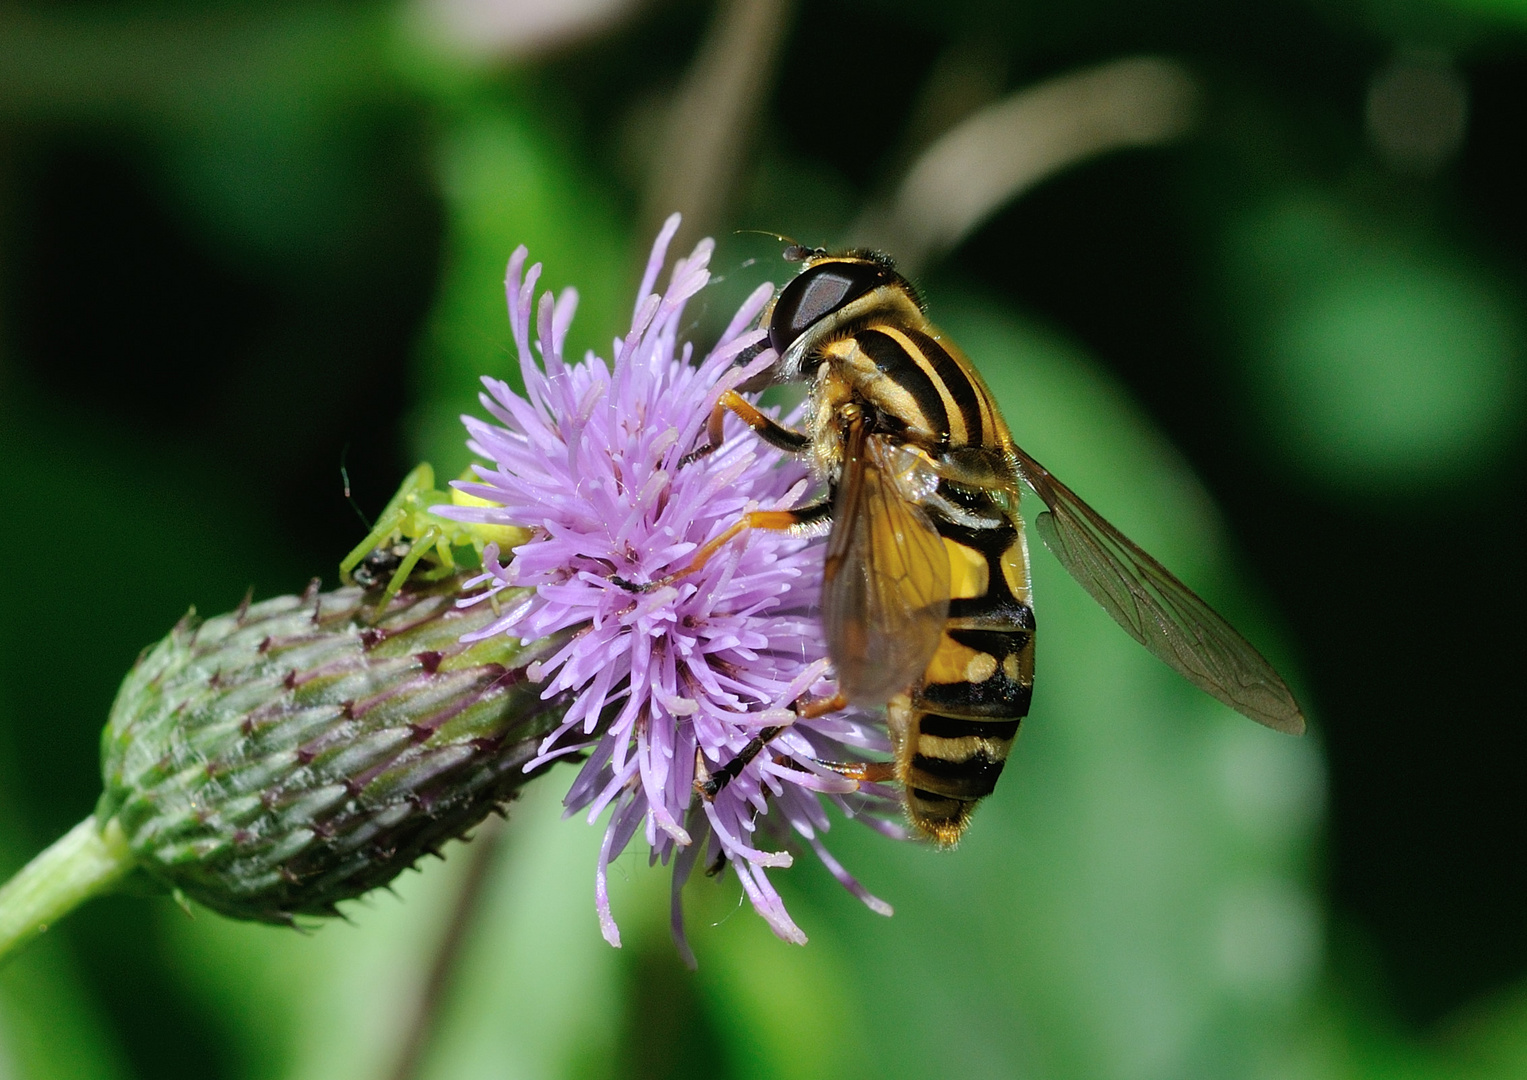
(407, 533)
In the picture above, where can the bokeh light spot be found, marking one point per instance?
(1375, 359)
(1268, 940)
(1417, 112)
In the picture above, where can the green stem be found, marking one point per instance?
(84, 863)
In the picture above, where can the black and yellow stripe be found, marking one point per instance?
(958, 723)
(897, 411)
(855, 326)
(917, 385)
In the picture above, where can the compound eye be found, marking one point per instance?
(815, 294)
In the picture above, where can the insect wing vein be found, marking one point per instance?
(886, 590)
(1157, 609)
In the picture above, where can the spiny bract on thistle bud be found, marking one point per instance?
(668, 683)
(275, 761)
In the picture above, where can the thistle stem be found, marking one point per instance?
(84, 863)
(431, 1002)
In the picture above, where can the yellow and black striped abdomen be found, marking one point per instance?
(953, 730)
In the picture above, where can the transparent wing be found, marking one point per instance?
(1156, 609)
(885, 593)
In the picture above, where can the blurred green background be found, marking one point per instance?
(1279, 338)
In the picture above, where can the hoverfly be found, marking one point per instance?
(926, 600)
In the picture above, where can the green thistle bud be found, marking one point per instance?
(299, 752)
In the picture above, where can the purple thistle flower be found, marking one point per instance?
(672, 683)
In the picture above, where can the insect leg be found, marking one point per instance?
(416, 551)
(802, 518)
(392, 518)
(770, 431)
(446, 560)
(866, 772)
(386, 525)
(712, 785)
(821, 706)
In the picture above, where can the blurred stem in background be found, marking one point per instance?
(709, 129)
(972, 171)
(466, 909)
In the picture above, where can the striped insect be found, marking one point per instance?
(926, 599)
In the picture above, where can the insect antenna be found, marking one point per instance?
(344, 476)
(771, 235)
(795, 251)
